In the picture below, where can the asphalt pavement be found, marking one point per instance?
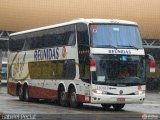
(44, 110)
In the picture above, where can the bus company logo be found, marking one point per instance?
(119, 52)
(121, 92)
(46, 54)
(64, 52)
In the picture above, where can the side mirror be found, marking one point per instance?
(152, 63)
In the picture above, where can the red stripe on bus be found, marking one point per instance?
(11, 87)
(42, 93)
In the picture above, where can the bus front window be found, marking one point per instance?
(115, 36)
(119, 69)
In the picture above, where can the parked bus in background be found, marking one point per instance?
(4, 70)
(82, 61)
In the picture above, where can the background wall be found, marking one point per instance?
(17, 15)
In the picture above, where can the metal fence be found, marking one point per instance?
(153, 79)
(153, 84)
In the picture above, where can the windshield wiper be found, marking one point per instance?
(106, 46)
(128, 46)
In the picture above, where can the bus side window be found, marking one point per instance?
(69, 35)
(82, 37)
(69, 69)
(71, 40)
(16, 44)
(83, 51)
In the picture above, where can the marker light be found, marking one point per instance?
(92, 64)
(99, 91)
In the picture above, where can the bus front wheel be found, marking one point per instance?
(118, 106)
(73, 99)
(20, 94)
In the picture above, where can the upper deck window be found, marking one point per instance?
(115, 36)
(53, 37)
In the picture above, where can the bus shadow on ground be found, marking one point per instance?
(86, 107)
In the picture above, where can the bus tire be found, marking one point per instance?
(106, 106)
(21, 94)
(73, 99)
(118, 107)
(62, 100)
(26, 94)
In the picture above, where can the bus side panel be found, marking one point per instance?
(42, 93)
(11, 87)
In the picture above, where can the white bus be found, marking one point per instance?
(95, 61)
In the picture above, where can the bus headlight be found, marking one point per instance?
(99, 91)
(140, 92)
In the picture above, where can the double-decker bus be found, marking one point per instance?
(82, 61)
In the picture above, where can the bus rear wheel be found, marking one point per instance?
(118, 106)
(73, 99)
(26, 94)
(62, 99)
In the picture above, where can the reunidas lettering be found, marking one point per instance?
(46, 54)
(119, 52)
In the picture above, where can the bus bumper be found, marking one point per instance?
(117, 99)
(4, 81)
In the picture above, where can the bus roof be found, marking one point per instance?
(80, 20)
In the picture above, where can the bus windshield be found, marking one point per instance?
(126, 70)
(115, 36)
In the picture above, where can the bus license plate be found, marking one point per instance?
(120, 100)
